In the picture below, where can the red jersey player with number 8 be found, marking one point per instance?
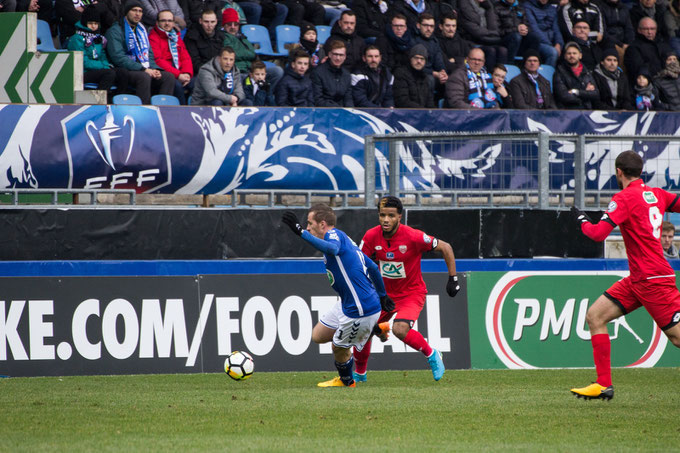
(398, 250)
(638, 211)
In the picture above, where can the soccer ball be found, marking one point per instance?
(239, 365)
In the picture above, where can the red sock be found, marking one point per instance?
(602, 358)
(361, 358)
(417, 342)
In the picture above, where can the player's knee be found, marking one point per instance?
(674, 338)
(594, 319)
(400, 329)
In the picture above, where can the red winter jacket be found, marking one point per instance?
(158, 40)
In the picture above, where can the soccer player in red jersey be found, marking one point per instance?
(398, 250)
(638, 211)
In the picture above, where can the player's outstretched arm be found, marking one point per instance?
(598, 231)
(290, 219)
(452, 285)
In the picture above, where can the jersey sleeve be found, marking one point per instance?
(617, 211)
(329, 246)
(424, 241)
(671, 200)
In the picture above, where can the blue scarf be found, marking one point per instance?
(419, 8)
(539, 95)
(172, 43)
(137, 43)
(481, 94)
(227, 84)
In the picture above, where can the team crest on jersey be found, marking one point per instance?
(390, 255)
(612, 206)
(649, 197)
(403, 248)
(330, 276)
(427, 238)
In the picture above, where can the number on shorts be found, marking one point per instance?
(655, 218)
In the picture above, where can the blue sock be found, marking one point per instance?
(345, 371)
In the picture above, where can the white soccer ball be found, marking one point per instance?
(239, 365)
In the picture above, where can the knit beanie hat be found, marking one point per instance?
(418, 49)
(131, 4)
(90, 14)
(610, 52)
(305, 27)
(230, 15)
(531, 53)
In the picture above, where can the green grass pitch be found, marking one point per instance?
(394, 411)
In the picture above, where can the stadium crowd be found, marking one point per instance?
(461, 54)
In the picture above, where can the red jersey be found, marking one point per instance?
(399, 258)
(638, 211)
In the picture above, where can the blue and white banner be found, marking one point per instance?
(215, 150)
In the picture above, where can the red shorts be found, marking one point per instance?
(659, 296)
(406, 308)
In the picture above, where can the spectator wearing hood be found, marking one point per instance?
(530, 90)
(577, 10)
(89, 40)
(542, 20)
(668, 83)
(646, 94)
(310, 44)
(478, 21)
(573, 84)
(646, 51)
(171, 54)
(128, 47)
(395, 44)
(612, 84)
(345, 31)
(412, 85)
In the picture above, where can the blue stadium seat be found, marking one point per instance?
(547, 71)
(95, 86)
(164, 99)
(45, 42)
(513, 71)
(323, 32)
(259, 36)
(285, 35)
(127, 99)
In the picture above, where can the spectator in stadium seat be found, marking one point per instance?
(478, 21)
(500, 86)
(513, 26)
(372, 81)
(204, 40)
(652, 9)
(573, 84)
(646, 94)
(257, 90)
(411, 10)
(345, 31)
(577, 10)
(395, 44)
(542, 20)
(310, 44)
(245, 50)
(435, 57)
(592, 50)
(332, 82)
(618, 27)
(295, 88)
(530, 90)
(219, 82)
(153, 7)
(647, 50)
(171, 54)
(128, 47)
(412, 85)
(668, 83)
(454, 47)
(372, 17)
(193, 11)
(96, 67)
(471, 86)
(68, 14)
(612, 84)
(670, 251)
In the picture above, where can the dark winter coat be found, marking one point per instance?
(637, 12)
(372, 88)
(354, 43)
(669, 91)
(392, 56)
(523, 91)
(623, 95)
(470, 22)
(542, 20)
(510, 16)
(435, 58)
(592, 52)
(643, 53)
(618, 26)
(263, 96)
(565, 80)
(412, 89)
(201, 47)
(371, 21)
(332, 86)
(294, 90)
(575, 11)
(455, 48)
(400, 7)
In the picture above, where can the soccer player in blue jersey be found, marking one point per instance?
(358, 282)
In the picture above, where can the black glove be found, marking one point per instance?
(581, 217)
(386, 303)
(290, 219)
(452, 286)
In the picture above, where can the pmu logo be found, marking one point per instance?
(117, 147)
(538, 320)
